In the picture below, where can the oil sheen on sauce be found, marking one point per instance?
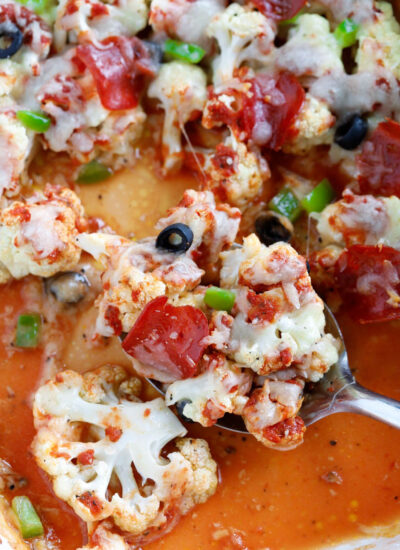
(344, 479)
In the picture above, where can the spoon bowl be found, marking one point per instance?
(337, 391)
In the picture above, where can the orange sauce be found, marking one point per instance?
(266, 499)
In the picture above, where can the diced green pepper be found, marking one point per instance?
(286, 204)
(34, 120)
(219, 298)
(29, 521)
(319, 197)
(191, 53)
(93, 172)
(28, 330)
(346, 33)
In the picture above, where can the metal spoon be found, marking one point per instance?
(336, 392)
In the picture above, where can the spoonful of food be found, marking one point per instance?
(338, 391)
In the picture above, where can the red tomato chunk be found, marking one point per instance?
(368, 279)
(116, 69)
(168, 338)
(379, 161)
(279, 9)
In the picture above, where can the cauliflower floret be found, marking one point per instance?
(15, 146)
(35, 47)
(313, 126)
(379, 42)
(220, 388)
(243, 35)
(278, 319)
(233, 172)
(270, 414)
(103, 454)
(358, 10)
(181, 90)
(185, 20)
(311, 50)
(82, 21)
(81, 125)
(214, 226)
(137, 272)
(37, 236)
(103, 539)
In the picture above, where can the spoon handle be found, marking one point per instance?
(359, 400)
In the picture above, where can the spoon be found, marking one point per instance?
(338, 391)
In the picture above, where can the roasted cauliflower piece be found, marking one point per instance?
(312, 127)
(15, 146)
(270, 414)
(232, 172)
(181, 90)
(102, 448)
(222, 387)
(37, 235)
(278, 319)
(184, 20)
(137, 272)
(360, 219)
(81, 21)
(243, 35)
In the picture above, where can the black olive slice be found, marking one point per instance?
(272, 228)
(69, 287)
(180, 405)
(11, 33)
(351, 133)
(177, 237)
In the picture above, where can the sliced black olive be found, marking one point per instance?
(177, 237)
(180, 405)
(69, 287)
(351, 133)
(10, 33)
(272, 228)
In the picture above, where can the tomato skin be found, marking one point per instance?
(168, 338)
(268, 122)
(116, 69)
(379, 161)
(279, 10)
(363, 275)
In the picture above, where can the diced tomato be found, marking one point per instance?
(168, 338)
(368, 280)
(117, 68)
(271, 108)
(279, 9)
(379, 161)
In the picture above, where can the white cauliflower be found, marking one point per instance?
(358, 10)
(83, 21)
(181, 90)
(137, 272)
(270, 414)
(37, 236)
(26, 62)
(15, 146)
(221, 388)
(81, 125)
(311, 50)
(102, 448)
(312, 127)
(233, 172)
(361, 219)
(379, 42)
(278, 319)
(244, 36)
(184, 20)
